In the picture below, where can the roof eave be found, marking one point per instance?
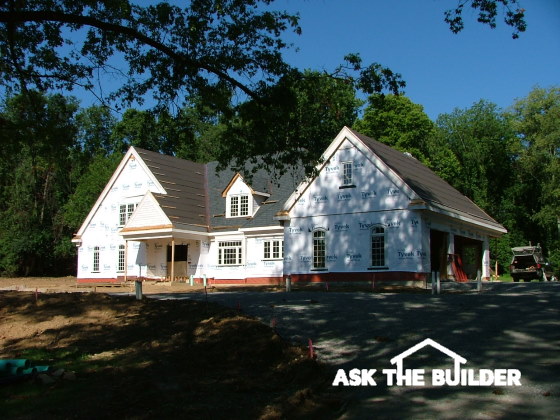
(493, 227)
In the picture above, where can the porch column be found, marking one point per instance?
(486, 259)
(450, 250)
(125, 260)
(172, 259)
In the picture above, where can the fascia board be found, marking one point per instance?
(148, 196)
(257, 230)
(131, 152)
(105, 191)
(346, 134)
(462, 217)
(148, 170)
(305, 184)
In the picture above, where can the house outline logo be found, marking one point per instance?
(458, 376)
(457, 359)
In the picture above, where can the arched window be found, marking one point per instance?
(319, 249)
(378, 246)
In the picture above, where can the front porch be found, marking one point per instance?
(168, 255)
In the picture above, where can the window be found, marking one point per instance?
(378, 246)
(319, 249)
(125, 211)
(95, 259)
(122, 215)
(230, 253)
(274, 249)
(120, 262)
(244, 209)
(346, 173)
(234, 206)
(238, 205)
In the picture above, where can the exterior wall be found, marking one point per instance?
(348, 243)
(254, 270)
(102, 230)
(347, 215)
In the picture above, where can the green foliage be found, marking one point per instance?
(88, 188)
(35, 177)
(206, 48)
(487, 10)
(300, 117)
(95, 130)
(399, 123)
(536, 121)
(481, 138)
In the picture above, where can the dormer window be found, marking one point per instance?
(241, 199)
(239, 205)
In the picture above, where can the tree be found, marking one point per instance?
(397, 122)
(305, 112)
(224, 54)
(514, 14)
(481, 138)
(95, 127)
(39, 134)
(536, 121)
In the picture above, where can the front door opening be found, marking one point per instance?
(180, 260)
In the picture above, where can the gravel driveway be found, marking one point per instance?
(506, 326)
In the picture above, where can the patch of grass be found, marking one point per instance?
(505, 278)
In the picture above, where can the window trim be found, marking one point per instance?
(96, 260)
(239, 252)
(125, 211)
(121, 253)
(242, 203)
(271, 252)
(316, 256)
(347, 181)
(373, 234)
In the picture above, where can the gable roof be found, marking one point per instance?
(194, 193)
(425, 189)
(429, 187)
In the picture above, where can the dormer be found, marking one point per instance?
(241, 199)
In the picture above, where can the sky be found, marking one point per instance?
(443, 71)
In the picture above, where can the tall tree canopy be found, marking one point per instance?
(35, 168)
(536, 121)
(481, 138)
(219, 53)
(398, 122)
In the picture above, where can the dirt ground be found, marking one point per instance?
(144, 359)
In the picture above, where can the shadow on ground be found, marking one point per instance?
(508, 326)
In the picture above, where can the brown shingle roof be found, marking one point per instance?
(425, 183)
(185, 202)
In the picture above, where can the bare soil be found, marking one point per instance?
(152, 359)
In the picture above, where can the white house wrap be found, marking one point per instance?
(370, 213)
